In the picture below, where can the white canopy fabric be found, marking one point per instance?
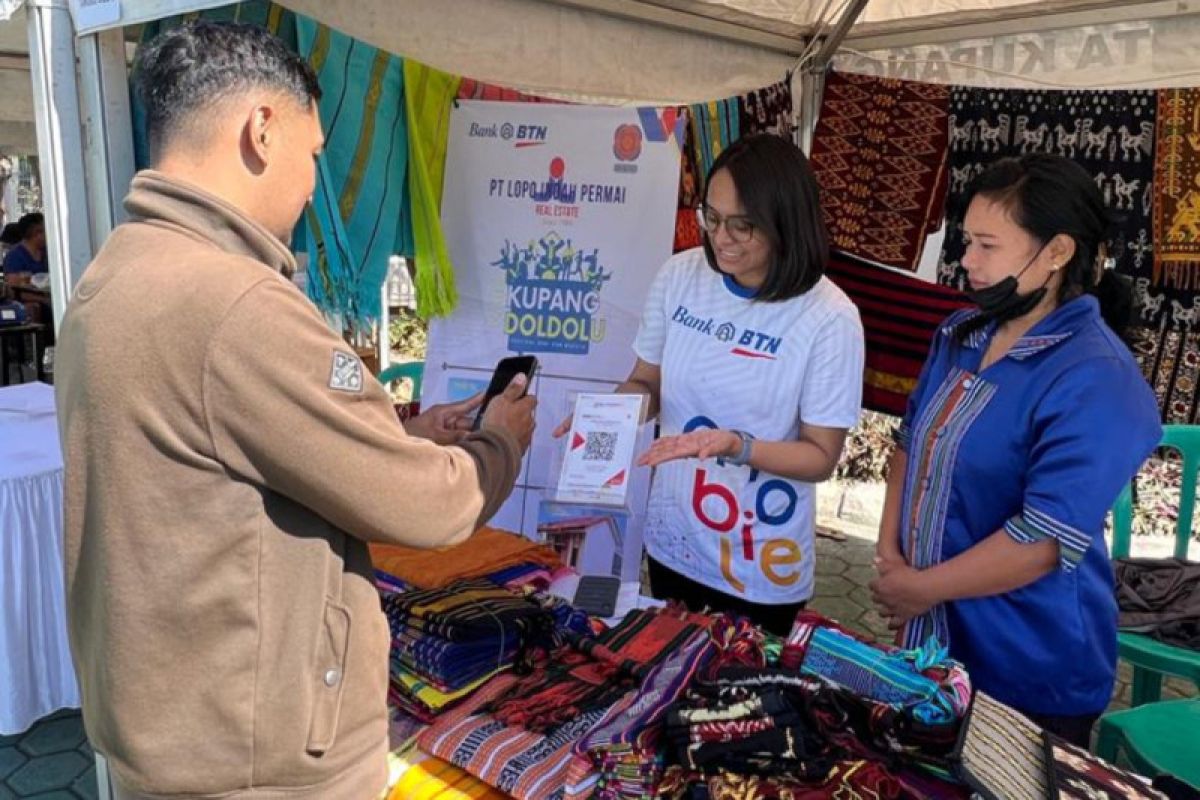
(693, 50)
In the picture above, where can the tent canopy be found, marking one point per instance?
(693, 50)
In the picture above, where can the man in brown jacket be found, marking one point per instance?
(228, 458)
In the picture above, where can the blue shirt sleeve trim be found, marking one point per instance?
(1032, 526)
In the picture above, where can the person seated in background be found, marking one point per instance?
(29, 254)
(10, 237)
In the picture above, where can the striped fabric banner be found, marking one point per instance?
(900, 316)
(358, 216)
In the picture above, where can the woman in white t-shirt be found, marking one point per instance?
(753, 362)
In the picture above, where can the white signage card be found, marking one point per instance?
(600, 447)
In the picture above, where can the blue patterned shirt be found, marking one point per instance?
(1038, 444)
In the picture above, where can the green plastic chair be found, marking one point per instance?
(409, 369)
(1152, 659)
(1157, 739)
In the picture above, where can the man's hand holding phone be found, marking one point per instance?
(512, 410)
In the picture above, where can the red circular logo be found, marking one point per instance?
(627, 142)
(557, 168)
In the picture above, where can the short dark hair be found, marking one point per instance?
(188, 68)
(11, 233)
(780, 196)
(1048, 194)
(28, 222)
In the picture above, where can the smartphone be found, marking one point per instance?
(505, 371)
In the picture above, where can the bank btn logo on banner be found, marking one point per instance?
(557, 219)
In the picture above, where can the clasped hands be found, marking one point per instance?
(901, 592)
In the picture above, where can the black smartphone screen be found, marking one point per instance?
(505, 371)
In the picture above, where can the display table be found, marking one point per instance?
(35, 659)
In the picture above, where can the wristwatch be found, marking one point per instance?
(742, 458)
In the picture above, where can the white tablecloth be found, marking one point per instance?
(36, 677)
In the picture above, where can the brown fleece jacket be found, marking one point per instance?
(224, 472)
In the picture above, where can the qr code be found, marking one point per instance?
(600, 446)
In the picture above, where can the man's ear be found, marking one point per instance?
(260, 130)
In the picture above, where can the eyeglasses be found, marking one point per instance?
(738, 227)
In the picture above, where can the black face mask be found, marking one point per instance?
(1000, 302)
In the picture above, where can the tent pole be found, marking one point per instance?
(812, 81)
(60, 146)
(107, 126)
(835, 38)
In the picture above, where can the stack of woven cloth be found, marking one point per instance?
(506, 559)
(447, 642)
(520, 734)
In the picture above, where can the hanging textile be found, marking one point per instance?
(687, 224)
(1177, 194)
(767, 110)
(358, 216)
(428, 95)
(471, 89)
(900, 316)
(1170, 360)
(879, 155)
(1109, 133)
(715, 126)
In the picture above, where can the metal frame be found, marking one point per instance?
(812, 81)
(107, 129)
(60, 147)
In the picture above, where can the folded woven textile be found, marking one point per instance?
(467, 611)
(527, 765)
(596, 671)
(925, 683)
(487, 551)
(625, 746)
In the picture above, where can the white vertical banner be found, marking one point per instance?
(557, 218)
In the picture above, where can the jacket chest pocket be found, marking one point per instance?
(329, 669)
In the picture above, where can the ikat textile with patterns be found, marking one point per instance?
(900, 316)
(1111, 134)
(596, 672)
(1001, 753)
(1170, 359)
(625, 746)
(520, 762)
(879, 154)
(1076, 774)
(1177, 192)
(768, 110)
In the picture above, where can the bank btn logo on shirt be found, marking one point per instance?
(347, 373)
(747, 343)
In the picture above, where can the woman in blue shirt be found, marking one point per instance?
(1029, 417)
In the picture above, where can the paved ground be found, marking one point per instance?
(51, 761)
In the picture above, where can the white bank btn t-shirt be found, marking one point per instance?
(729, 362)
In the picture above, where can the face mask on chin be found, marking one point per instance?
(1001, 301)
